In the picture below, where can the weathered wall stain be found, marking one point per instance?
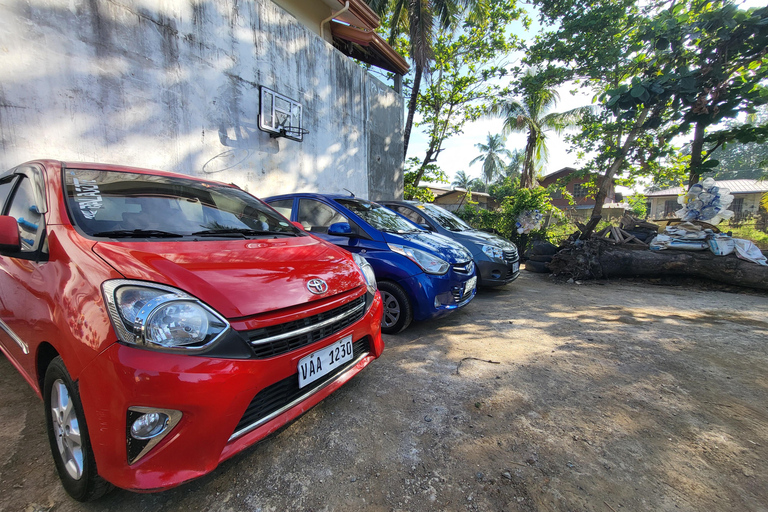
(175, 86)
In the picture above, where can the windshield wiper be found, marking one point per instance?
(138, 233)
(240, 231)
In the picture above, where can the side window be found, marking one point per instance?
(410, 215)
(670, 206)
(316, 217)
(29, 219)
(283, 207)
(5, 189)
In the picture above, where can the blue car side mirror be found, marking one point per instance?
(340, 229)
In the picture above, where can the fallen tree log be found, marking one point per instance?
(598, 259)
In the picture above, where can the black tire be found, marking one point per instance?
(542, 247)
(73, 458)
(398, 312)
(538, 267)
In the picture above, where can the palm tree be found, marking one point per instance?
(515, 166)
(491, 154)
(532, 115)
(477, 185)
(462, 180)
(417, 18)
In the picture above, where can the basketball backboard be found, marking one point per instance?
(280, 115)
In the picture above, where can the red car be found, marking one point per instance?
(169, 322)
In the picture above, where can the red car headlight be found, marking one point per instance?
(161, 317)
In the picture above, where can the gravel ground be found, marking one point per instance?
(541, 396)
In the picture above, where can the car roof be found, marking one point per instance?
(404, 201)
(94, 166)
(316, 195)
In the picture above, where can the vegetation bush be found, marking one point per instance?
(504, 220)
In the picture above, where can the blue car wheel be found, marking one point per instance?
(398, 311)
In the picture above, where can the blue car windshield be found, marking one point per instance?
(445, 218)
(117, 204)
(378, 216)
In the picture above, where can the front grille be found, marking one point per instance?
(464, 268)
(280, 394)
(283, 338)
(510, 255)
(458, 296)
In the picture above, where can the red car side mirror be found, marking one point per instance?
(9, 234)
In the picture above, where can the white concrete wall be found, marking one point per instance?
(173, 85)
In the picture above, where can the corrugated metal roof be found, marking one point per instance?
(449, 189)
(735, 186)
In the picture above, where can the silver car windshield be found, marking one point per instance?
(134, 205)
(445, 218)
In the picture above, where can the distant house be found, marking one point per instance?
(454, 198)
(746, 194)
(584, 198)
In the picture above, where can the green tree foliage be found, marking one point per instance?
(590, 43)
(638, 205)
(741, 161)
(504, 188)
(417, 19)
(492, 156)
(514, 168)
(477, 185)
(430, 173)
(708, 59)
(504, 220)
(682, 69)
(467, 63)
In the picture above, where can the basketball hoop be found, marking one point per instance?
(291, 132)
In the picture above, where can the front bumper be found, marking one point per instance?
(448, 290)
(497, 273)
(214, 396)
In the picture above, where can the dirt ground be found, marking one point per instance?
(541, 396)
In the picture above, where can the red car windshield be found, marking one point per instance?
(124, 204)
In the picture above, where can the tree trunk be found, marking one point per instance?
(697, 146)
(420, 173)
(412, 109)
(528, 176)
(602, 193)
(597, 260)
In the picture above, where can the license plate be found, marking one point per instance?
(324, 361)
(515, 266)
(470, 285)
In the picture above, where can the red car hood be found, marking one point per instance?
(238, 278)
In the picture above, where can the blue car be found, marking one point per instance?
(496, 259)
(420, 275)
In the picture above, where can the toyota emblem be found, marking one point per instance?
(317, 286)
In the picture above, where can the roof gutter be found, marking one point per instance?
(329, 18)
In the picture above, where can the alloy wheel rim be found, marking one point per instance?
(66, 428)
(391, 310)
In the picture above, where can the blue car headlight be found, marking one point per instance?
(427, 262)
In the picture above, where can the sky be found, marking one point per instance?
(460, 150)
